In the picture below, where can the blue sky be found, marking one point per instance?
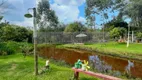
(66, 10)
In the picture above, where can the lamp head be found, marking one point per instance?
(28, 15)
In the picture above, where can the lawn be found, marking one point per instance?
(16, 67)
(134, 51)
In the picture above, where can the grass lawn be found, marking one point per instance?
(16, 67)
(112, 48)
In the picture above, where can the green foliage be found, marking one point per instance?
(133, 10)
(139, 35)
(46, 18)
(115, 23)
(11, 47)
(15, 33)
(108, 27)
(8, 33)
(128, 9)
(8, 48)
(1, 17)
(75, 27)
(117, 32)
(26, 49)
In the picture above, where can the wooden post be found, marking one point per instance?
(76, 75)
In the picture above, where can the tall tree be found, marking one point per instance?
(94, 7)
(134, 11)
(130, 8)
(46, 17)
(75, 27)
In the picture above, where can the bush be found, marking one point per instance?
(117, 32)
(11, 47)
(5, 50)
(26, 49)
(139, 35)
(15, 33)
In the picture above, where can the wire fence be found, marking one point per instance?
(75, 37)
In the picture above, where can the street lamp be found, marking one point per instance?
(28, 15)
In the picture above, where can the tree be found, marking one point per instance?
(130, 9)
(134, 11)
(94, 7)
(1, 17)
(8, 33)
(139, 36)
(115, 23)
(117, 32)
(46, 17)
(75, 27)
(15, 33)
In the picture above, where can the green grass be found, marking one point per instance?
(16, 67)
(112, 48)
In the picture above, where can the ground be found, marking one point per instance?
(16, 67)
(112, 48)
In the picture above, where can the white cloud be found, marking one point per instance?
(67, 10)
(81, 19)
(69, 2)
(66, 13)
(15, 14)
(27, 22)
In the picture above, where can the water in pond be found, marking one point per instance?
(101, 62)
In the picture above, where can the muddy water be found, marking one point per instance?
(71, 56)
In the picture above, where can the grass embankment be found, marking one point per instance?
(16, 67)
(134, 51)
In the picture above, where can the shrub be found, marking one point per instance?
(5, 50)
(11, 47)
(139, 35)
(117, 32)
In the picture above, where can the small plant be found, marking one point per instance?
(26, 49)
(5, 49)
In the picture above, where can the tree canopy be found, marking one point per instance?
(15, 33)
(46, 18)
(130, 9)
(75, 27)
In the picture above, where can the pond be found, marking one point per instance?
(102, 63)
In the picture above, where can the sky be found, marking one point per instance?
(67, 11)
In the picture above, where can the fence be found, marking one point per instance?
(76, 37)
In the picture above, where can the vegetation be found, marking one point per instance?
(116, 23)
(46, 17)
(128, 9)
(16, 67)
(117, 32)
(139, 35)
(75, 27)
(11, 47)
(15, 33)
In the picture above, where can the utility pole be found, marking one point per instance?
(28, 15)
(35, 42)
